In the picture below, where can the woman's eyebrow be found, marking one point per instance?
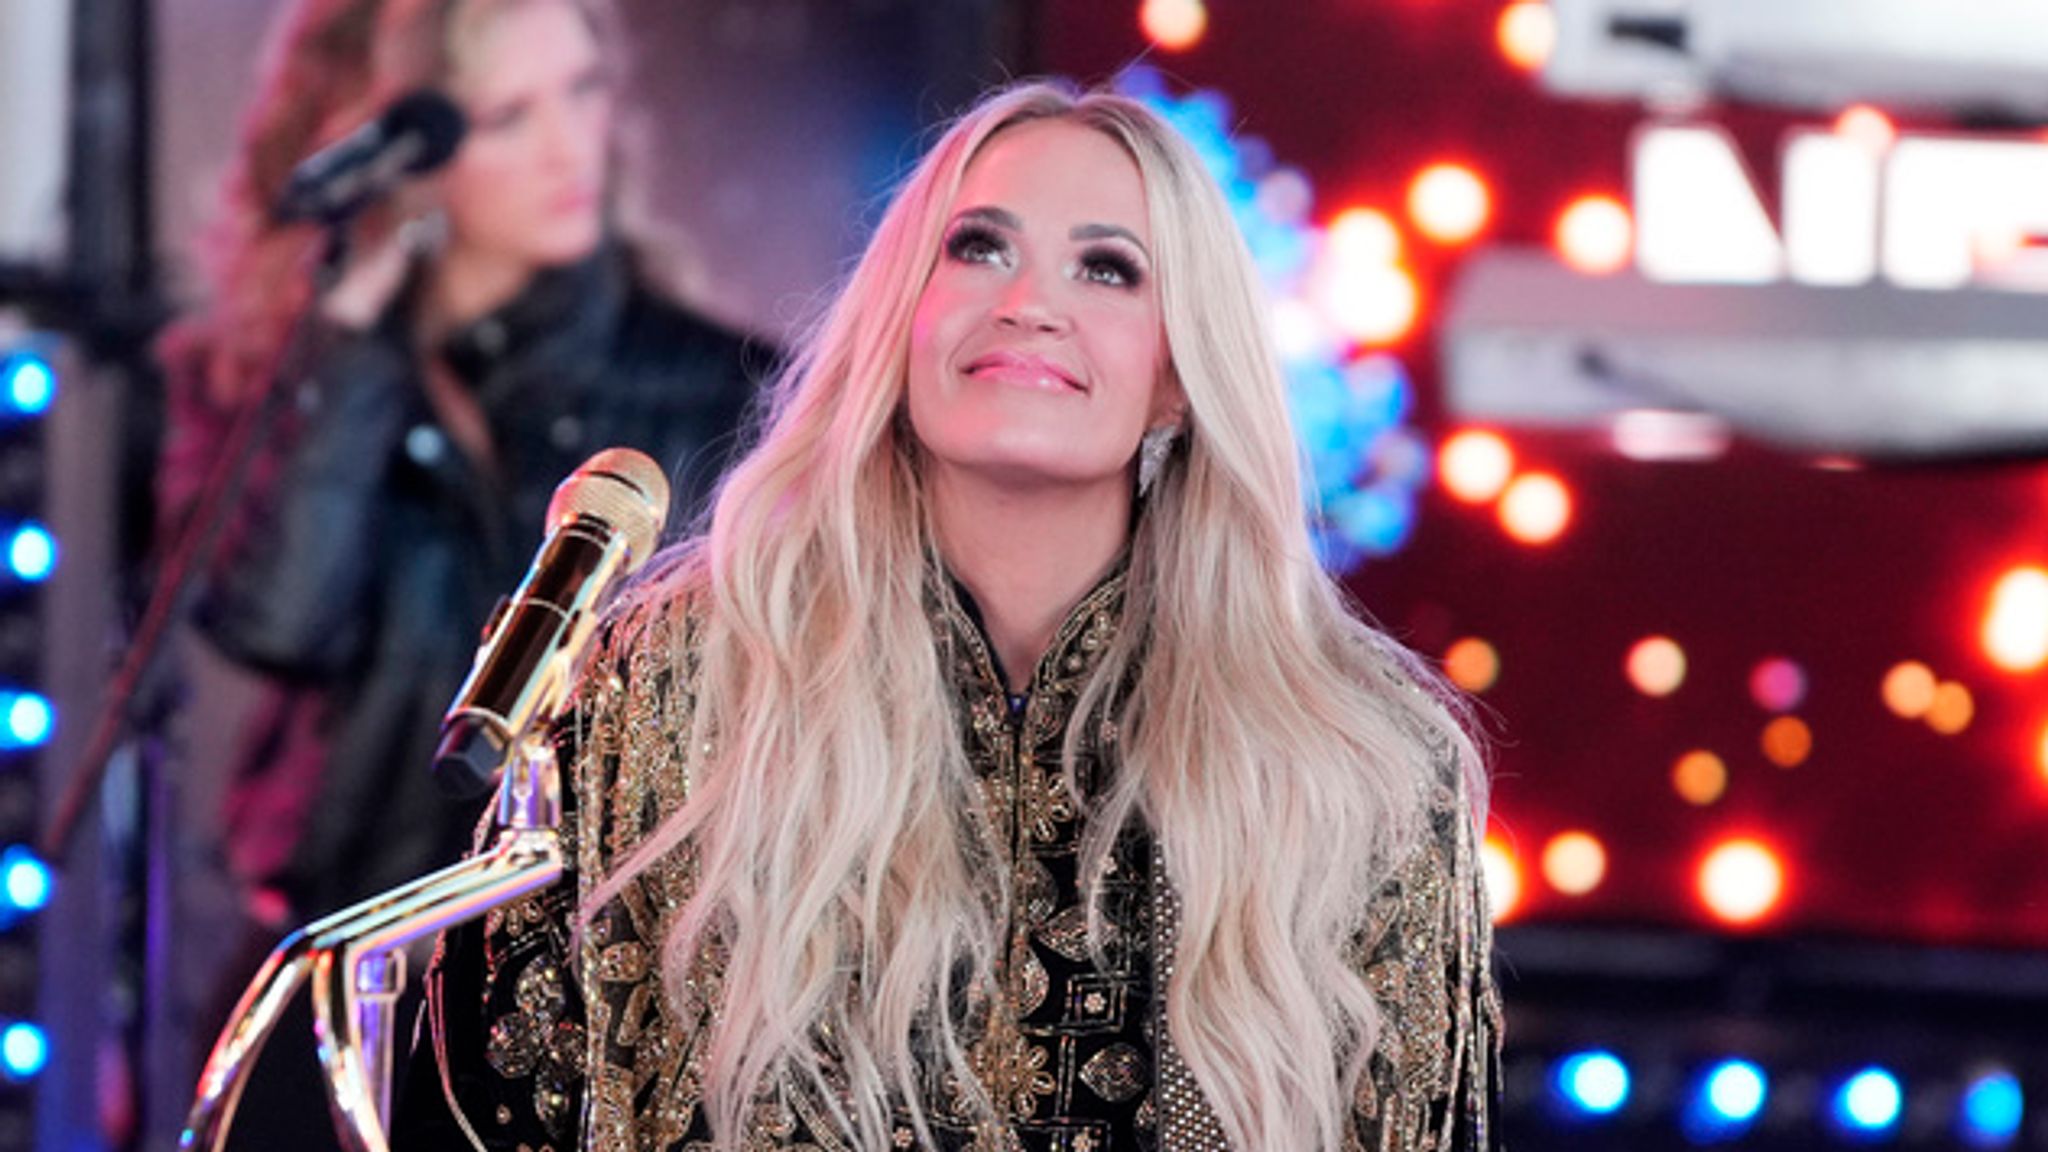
(1106, 232)
(1000, 217)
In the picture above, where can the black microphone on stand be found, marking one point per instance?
(417, 134)
(602, 524)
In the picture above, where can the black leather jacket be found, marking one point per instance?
(362, 573)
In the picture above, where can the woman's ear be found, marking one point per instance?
(1169, 402)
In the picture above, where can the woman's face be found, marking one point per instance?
(1037, 353)
(528, 184)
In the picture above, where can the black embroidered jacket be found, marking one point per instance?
(538, 1041)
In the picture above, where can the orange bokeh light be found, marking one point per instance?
(1741, 881)
(1699, 778)
(1574, 863)
(1527, 34)
(1175, 25)
(1449, 203)
(1787, 741)
(1909, 689)
(1595, 235)
(1475, 465)
(1503, 878)
(1536, 508)
(1866, 126)
(2015, 630)
(1472, 664)
(1952, 710)
(1656, 666)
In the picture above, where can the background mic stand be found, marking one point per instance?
(355, 964)
(192, 552)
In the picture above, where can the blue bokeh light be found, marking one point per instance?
(1993, 1106)
(28, 719)
(1594, 1083)
(1734, 1091)
(24, 880)
(24, 1050)
(27, 384)
(31, 553)
(1869, 1103)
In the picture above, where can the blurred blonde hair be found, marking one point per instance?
(827, 827)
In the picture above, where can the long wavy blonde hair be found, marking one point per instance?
(828, 824)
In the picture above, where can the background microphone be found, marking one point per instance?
(602, 524)
(416, 134)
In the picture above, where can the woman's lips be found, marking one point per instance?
(1024, 370)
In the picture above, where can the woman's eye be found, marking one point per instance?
(1113, 269)
(502, 117)
(975, 246)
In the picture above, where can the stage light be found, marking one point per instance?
(27, 718)
(1373, 304)
(1909, 689)
(23, 1050)
(28, 384)
(2015, 631)
(1741, 881)
(1658, 435)
(1594, 1083)
(1449, 203)
(1472, 664)
(1475, 466)
(24, 880)
(1656, 666)
(1992, 1109)
(1527, 34)
(31, 553)
(1503, 878)
(1787, 742)
(1734, 1092)
(1595, 235)
(1866, 126)
(1175, 25)
(1363, 236)
(1574, 863)
(1699, 777)
(1869, 1102)
(1952, 710)
(1777, 685)
(1536, 508)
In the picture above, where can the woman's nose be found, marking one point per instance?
(1028, 304)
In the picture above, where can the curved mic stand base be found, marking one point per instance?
(353, 961)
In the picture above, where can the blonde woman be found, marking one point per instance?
(1000, 771)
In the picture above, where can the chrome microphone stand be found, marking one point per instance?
(605, 520)
(355, 962)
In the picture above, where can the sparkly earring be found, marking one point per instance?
(1152, 453)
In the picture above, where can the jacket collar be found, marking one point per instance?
(1077, 647)
(561, 320)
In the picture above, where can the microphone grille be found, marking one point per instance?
(434, 120)
(621, 488)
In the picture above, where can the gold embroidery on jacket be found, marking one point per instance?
(639, 1053)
